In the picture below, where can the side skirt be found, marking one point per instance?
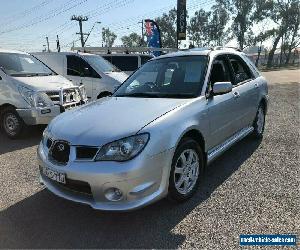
(221, 148)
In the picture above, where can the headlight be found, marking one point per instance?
(124, 149)
(35, 99)
(42, 100)
(27, 94)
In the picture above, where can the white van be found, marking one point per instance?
(128, 63)
(99, 77)
(31, 93)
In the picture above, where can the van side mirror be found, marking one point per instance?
(0, 78)
(220, 88)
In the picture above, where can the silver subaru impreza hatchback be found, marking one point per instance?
(154, 137)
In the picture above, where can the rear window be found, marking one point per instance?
(125, 63)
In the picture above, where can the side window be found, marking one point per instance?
(108, 58)
(125, 63)
(220, 71)
(145, 59)
(241, 71)
(76, 66)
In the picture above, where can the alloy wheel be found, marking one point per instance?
(186, 171)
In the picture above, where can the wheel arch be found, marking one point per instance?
(104, 94)
(5, 105)
(264, 103)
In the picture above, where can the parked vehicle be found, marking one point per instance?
(99, 76)
(157, 133)
(128, 63)
(31, 94)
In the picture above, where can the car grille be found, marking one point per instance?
(86, 153)
(66, 98)
(60, 152)
(54, 97)
(49, 143)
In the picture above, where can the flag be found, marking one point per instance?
(153, 36)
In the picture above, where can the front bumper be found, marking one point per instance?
(142, 180)
(35, 116)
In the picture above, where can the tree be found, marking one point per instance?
(168, 28)
(108, 37)
(198, 28)
(132, 40)
(285, 15)
(218, 34)
(241, 12)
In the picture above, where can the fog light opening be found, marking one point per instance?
(113, 194)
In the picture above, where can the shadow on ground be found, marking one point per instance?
(46, 221)
(31, 137)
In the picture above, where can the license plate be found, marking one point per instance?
(54, 175)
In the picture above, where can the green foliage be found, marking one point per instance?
(108, 37)
(132, 40)
(168, 26)
(198, 28)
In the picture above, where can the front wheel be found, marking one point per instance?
(11, 123)
(187, 167)
(259, 123)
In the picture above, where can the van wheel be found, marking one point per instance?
(186, 171)
(11, 123)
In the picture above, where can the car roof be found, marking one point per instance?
(12, 51)
(200, 52)
(63, 53)
(122, 54)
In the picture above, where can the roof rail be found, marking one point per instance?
(127, 50)
(226, 48)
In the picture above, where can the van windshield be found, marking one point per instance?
(100, 64)
(21, 65)
(174, 77)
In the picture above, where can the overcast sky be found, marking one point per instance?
(25, 24)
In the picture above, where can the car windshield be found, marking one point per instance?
(174, 77)
(100, 64)
(21, 65)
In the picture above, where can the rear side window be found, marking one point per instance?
(252, 66)
(125, 63)
(76, 66)
(241, 71)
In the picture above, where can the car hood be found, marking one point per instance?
(109, 119)
(119, 76)
(43, 83)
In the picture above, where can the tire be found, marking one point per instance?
(11, 123)
(181, 185)
(259, 122)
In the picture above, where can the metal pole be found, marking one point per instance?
(47, 43)
(81, 34)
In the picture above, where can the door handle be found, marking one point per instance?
(256, 85)
(236, 94)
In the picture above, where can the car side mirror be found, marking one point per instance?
(220, 88)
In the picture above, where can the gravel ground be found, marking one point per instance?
(253, 188)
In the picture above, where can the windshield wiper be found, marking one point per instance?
(151, 95)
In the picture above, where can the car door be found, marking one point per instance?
(246, 88)
(80, 72)
(222, 109)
